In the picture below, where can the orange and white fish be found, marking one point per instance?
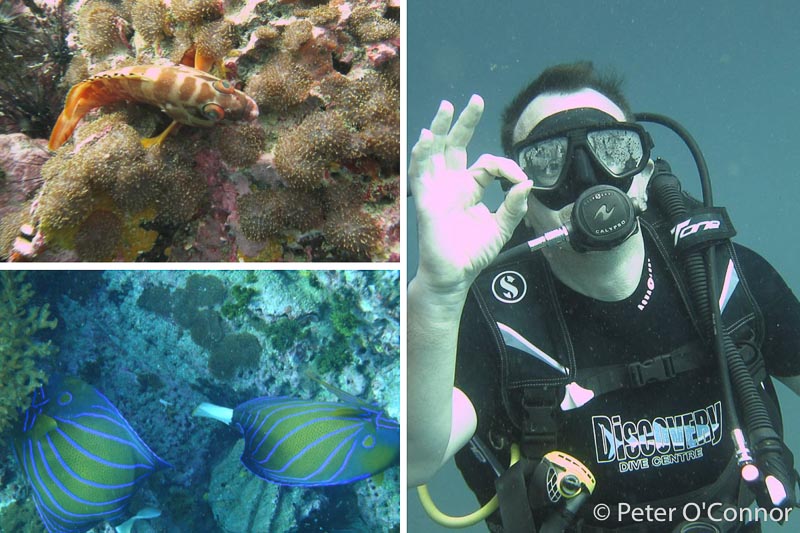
(188, 95)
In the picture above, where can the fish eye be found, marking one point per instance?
(64, 399)
(224, 86)
(213, 111)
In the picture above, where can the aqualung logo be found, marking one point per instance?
(509, 287)
(604, 213)
(661, 441)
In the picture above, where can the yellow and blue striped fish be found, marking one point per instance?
(81, 457)
(297, 442)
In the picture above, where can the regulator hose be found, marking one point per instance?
(701, 280)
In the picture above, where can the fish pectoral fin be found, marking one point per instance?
(143, 514)
(158, 139)
(45, 424)
(209, 410)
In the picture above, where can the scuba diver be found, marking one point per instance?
(606, 364)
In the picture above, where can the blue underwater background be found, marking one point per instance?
(726, 70)
(158, 343)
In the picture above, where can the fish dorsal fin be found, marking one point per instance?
(342, 395)
(124, 73)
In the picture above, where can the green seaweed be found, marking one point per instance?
(238, 301)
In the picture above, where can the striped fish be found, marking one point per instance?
(188, 95)
(81, 457)
(297, 442)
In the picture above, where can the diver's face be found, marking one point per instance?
(541, 217)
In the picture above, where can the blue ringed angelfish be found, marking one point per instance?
(298, 442)
(82, 459)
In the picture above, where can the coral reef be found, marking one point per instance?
(124, 332)
(325, 76)
(20, 348)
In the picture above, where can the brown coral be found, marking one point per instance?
(149, 19)
(354, 234)
(240, 145)
(369, 26)
(281, 83)
(265, 214)
(297, 34)
(196, 11)
(303, 155)
(99, 236)
(215, 39)
(182, 192)
(99, 27)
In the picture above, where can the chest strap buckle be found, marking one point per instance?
(659, 368)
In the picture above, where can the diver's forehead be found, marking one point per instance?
(549, 104)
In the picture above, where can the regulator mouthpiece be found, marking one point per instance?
(603, 218)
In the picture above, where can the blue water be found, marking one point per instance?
(725, 69)
(147, 340)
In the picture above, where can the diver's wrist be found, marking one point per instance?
(445, 293)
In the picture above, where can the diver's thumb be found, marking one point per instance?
(513, 208)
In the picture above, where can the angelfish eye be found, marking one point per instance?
(224, 86)
(213, 112)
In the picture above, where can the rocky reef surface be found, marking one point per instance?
(314, 178)
(158, 343)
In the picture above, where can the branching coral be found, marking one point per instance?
(20, 350)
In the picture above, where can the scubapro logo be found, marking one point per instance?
(509, 287)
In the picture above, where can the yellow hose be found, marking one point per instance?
(457, 522)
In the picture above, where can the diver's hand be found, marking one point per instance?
(458, 235)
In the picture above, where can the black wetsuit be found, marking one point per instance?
(659, 441)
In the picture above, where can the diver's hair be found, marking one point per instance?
(563, 78)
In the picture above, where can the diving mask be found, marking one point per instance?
(570, 151)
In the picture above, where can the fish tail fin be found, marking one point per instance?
(209, 410)
(81, 99)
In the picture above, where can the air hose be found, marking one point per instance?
(701, 280)
(457, 522)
